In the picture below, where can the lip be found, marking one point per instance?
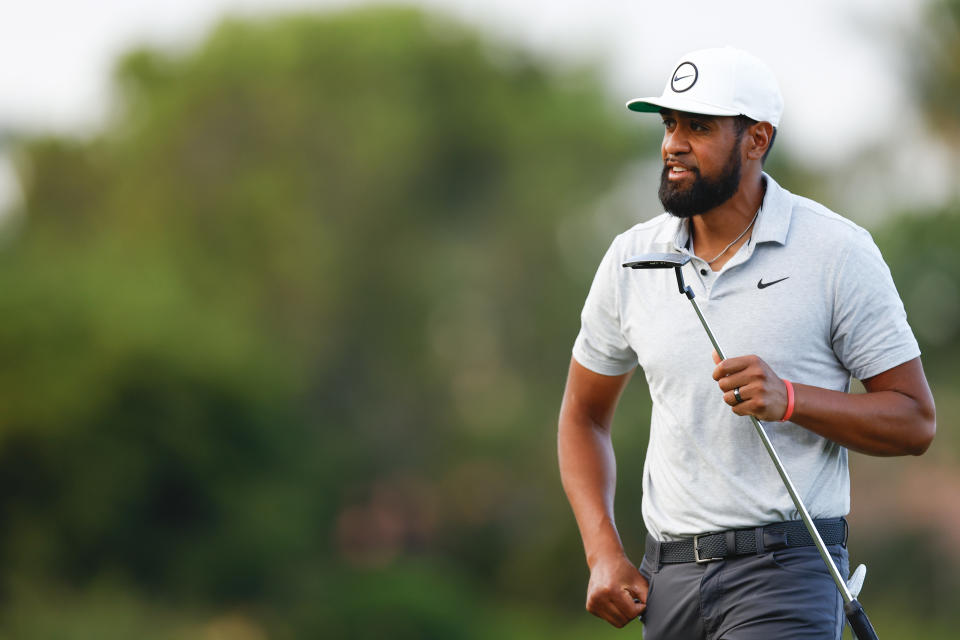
(678, 171)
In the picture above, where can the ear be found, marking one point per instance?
(758, 138)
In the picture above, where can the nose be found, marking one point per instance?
(675, 142)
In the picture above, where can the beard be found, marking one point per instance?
(704, 194)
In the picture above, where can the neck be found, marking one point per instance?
(719, 226)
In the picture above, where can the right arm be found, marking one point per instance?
(617, 591)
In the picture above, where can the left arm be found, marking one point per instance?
(895, 417)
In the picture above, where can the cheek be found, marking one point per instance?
(711, 160)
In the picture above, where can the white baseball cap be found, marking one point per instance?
(719, 82)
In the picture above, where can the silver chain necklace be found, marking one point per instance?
(735, 240)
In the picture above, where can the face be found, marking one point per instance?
(702, 162)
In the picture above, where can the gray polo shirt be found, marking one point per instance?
(827, 309)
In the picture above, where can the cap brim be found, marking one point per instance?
(678, 103)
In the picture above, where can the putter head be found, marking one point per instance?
(657, 261)
(663, 261)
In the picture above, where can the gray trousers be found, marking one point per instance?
(786, 593)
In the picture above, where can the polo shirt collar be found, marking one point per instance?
(775, 213)
(771, 226)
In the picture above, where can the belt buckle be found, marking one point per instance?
(696, 549)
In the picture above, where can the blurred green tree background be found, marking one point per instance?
(284, 345)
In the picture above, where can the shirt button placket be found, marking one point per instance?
(707, 276)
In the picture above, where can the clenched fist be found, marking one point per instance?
(617, 591)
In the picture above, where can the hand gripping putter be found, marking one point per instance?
(856, 616)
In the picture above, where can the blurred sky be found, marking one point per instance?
(839, 62)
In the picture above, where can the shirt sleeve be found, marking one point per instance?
(601, 346)
(870, 333)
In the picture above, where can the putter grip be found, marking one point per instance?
(859, 622)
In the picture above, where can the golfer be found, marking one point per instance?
(803, 300)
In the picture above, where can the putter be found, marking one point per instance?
(856, 616)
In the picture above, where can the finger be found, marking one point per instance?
(613, 615)
(716, 357)
(743, 409)
(615, 606)
(754, 403)
(730, 366)
(630, 603)
(634, 605)
(740, 379)
(612, 608)
(638, 590)
(731, 399)
(623, 617)
(642, 587)
(746, 403)
(639, 608)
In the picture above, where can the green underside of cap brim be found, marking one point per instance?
(656, 105)
(644, 107)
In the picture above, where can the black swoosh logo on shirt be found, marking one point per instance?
(678, 79)
(763, 285)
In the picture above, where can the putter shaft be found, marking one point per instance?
(792, 490)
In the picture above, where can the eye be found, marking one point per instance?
(696, 125)
(669, 123)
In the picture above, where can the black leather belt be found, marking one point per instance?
(738, 542)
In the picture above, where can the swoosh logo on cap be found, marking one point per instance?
(763, 285)
(684, 71)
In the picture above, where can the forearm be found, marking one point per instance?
(881, 423)
(588, 472)
(617, 592)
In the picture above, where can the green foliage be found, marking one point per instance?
(296, 313)
(934, 66)
(923, 258)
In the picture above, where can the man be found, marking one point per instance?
(804, 295)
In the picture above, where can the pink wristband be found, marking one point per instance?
(790, 399)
